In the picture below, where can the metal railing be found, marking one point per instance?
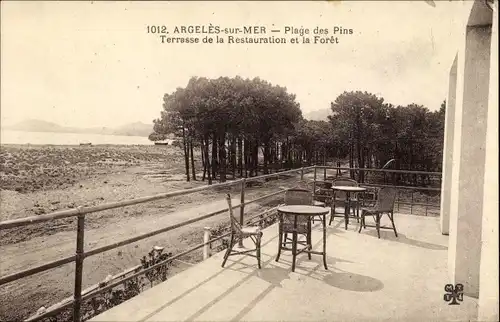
(81, 212)
(81, 254)
(411, 188)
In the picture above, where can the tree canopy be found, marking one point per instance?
(243, 127)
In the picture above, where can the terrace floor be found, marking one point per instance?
(368, 279)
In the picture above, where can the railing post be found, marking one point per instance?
(411, 204)
(79, 267)
(206, 247)
(397, 200)
(242, 207)
(302, 173)
(426, 203)
(314, 182)
(324, 174)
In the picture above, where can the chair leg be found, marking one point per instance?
(284, 240)
(280, 244)
(294, 250)
(309, 240)
(362, 221)
(377, 223)
(391, 217)
(228, 251)
(257, 244)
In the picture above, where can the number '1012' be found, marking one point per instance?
(157, 29)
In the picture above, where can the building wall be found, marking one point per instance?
(488, 280)
(469, 150)
(449, 123)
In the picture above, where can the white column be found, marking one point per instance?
(469, 158)
(449, 123)
(488, 280)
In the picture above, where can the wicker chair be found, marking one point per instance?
(341, 197)
(238, 233)
(323, 194)
(318, 199)
(383, 205)
(295, 196)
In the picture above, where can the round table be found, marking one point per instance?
(347, 190)
(304, 210)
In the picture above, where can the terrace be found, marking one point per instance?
(401, 277)
(368, 278)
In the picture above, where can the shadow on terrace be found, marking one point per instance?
(391, 278)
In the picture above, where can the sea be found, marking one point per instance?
(56, 138)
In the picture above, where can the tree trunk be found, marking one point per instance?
(266, 157)
(240, 156)
(233, 156)
(351, 159)
(207, 160)
(222, 157)
(245, 155)
(193, 170)
(214, 156)
(203, 162)
(186, 151)
(255, 156)
(280, 151)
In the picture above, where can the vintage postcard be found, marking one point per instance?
(249, 160)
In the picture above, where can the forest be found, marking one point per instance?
(246, 127)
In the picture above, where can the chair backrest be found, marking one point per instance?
(323, 184)
(386, 199)
(302, 184)
(343, 182)
(298, 196)
(235, 225)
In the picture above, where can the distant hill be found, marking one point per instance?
(131, 129)
(318, 115)
(36, 126)
(137, 129)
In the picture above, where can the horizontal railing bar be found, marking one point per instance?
(50, 313)
(278, 174)
(122, 280)
(110, 286)
(262, 213)
(37, 219)
(153, 233)
(37, 269)
(54, 264)
(419, 204)
(379, 170)
(86, 210)
(264, 197)
(96, 286)
(399, 187)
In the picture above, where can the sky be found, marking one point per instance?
(88, 64)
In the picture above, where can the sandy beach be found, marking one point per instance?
(42, 179)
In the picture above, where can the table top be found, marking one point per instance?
(349, 188)
(303, 210)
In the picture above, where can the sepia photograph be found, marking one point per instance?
(249, 161)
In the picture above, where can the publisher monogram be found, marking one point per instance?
(454, 294)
